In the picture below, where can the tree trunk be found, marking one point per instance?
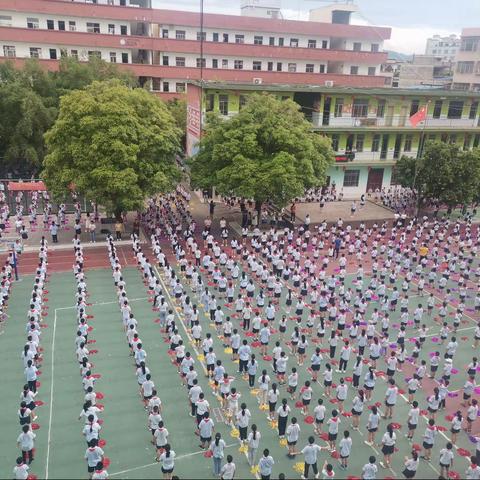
(258, 207)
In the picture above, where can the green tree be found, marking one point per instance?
(116, 145)
(266, 152)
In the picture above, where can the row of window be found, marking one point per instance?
(36, 52)
(468, 67)
(239, 38)
(157, 84)
(469, 44)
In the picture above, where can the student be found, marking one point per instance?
(167, 459)
(20, 471)
(333, 425)
(370, 469)
(228, 470)
(446, 460)
(413, 416)
(310, 453)
(26, 443)
(93, 455)
(265, 465)
(206, 428)
(282, 413)
(429, 439)
(253, 441)
(161, 439)
(410, 465)
(345, 449)
(217, 448)
(100, 472)
(243, 419)
(388, 446)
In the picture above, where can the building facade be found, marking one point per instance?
(467, 68)
(444, 47)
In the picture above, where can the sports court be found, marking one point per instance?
(60, 445)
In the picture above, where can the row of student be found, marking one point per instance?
(89, 415)
(32, 359)
(147, 390)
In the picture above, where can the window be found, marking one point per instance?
(407, 146)
(376, 142)
(469, 44)
(215, 37)
(6, 21)
(242, 101)
(257, 65)
(353, 70)
(165, 61)
(124, 57)
(270, 66)
(466, 141)
(455, 109)
(279, 66)
(239, 38)
(465, 67)
(338, 107)
(74, 53)
(51, 25)
(312, 44)
(93, 27)
(324, 43)
(294, 42)
(351, 178)
(271, 41)
(166, 87)
(224, 63)
(374, 47)
(357, 46)
(371, 71)
(111, 28)
(281, 41)
(322, 68)
(35, 52)
(113, 57)
(360, 107)
(473, 110)
(360, 140)
(201, 36)
(164, 33)
(381, 108)
(156, 84)
(214, 62)
(225, 38)
(238, 64)
(335, 141)
(179, 61)
(309, 68)
(61, 25)
(258, 40)
(123, 30)
(63, 52)
(437, 108)
(31, 22)
(9, 51)
(223, 104)
(414, 107)
(292, 67)
(53, 53)
(72, 26)
(453, 138)
(94, 54)
(180, 34)
(180, 87)
(201, 63)
(210, 102)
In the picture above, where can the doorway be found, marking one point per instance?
(375, 179)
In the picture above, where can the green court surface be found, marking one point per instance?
(60, 445)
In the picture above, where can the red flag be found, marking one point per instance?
(418, 117)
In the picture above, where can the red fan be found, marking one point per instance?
(32, 477)
(249, 334)
(267, 358)
(334, 385)
(423, 412)
(91, 341)
(416, 447)
(90, 328)
(333, 400)
(100, 422)
(39, 403)
(396, 426)
(454, 475)
(99, 395)
(441, 428)
(365, 361)
(324, 350)
(335, 455)
(102, 443)
(97, 375)
(256, 344)
(346, 414)
(171, 353)
(378, 404)
(106, 461)
(463, 452)
(43, 325)
(90, 316)
(324, 436)
(309, 419)
(401, 391)
(208, 454)
(101, 406)
(35, 426)
(448, 418)
(299, 404)
(93, 352)
(39, 372)
(380, 373)
(38, 384)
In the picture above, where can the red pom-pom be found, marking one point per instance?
(464, 453)
(100, 406)
(38, 384)
(416, 447)
(348, 379)
(401, 391)
(91, 341)
(249, 334)
(90, 328)
(208, 454)
(454, 475)
(346, 414)
(97, 375)
(90, 316)
(32, 477)
(423, 412)
(324, 436)
(102, 443)
(378, 404)
(106, 462)
(256, 344)
(441, 428)
(267, 358)
(335, 454)
(99, 395)
(299, 404)
(39, 403)
(309, 419)
(35, 426)
(333, 400)
(396, 426)
(448, 418)
(93, 352)
(100, 422)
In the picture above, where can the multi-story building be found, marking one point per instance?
(444, 47)
(167, 48)
(467, 68)
(369, 128)
(261, 8)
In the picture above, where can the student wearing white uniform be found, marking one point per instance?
(253, 441)
(265, 465)
(310, 453)
(167, 459)
(93, 455)
(20, 471)
(345, 449)
(228, 470)
(26, 443)
(217, 448)
(370, 470)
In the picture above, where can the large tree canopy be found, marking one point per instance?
(266, 152)
(115, 144)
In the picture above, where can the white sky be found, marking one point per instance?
(412, 21)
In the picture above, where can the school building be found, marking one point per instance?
(332, 68)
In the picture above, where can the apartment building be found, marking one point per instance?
(467, 69)
(444, 47)
(164, 47)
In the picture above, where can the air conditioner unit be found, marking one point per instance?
(329, 83)
(257, 81)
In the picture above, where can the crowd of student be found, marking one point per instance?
(248, 279)
(31, 357)
(89, 415)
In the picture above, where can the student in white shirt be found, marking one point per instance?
(446, 460)
(253, 441)
(167, 459)
(26, 443)
(100, 472)
(370, 470)
(310, 453)
(228, 470)
(20, 471)
(217, 448)
(265, 465)
(345, 447)
(411, 465)
(93, 455)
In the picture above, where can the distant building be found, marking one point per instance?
(443, 47)
(338, 12)
(467, 61)
(261, 8)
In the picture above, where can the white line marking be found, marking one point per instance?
(103, 303)
(180, 457)
(51, 395)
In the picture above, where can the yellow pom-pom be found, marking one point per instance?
(263, 407)
(228, 351)
(283, 442)
(236, 361)
(200, 357)
(273, 424)
(243, 449)
(254, 470)
(234, 433)
(254, 392)
(298, 467)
